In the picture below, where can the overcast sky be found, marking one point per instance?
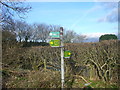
(89, 18)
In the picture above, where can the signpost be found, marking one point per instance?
(57, 41)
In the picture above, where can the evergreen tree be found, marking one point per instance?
(108, 37)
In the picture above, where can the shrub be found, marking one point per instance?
(108, 37)
(96, 61)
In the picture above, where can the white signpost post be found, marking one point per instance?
(62, 57)
(56, 37)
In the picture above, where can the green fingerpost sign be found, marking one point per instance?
(55, 43)
(67, 54)
(54, 34)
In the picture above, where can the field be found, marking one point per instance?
(39, 66)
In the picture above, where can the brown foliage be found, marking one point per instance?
(91, 60)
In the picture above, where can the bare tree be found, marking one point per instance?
(23, 31)
(72, 37)
(10, 8)
(43, 29)
(40, 32)
(69, 36)
(54, 27)
(79, 38)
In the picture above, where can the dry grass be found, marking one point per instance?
(34, 79)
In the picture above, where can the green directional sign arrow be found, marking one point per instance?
(55, 43)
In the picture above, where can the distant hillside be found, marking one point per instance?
(92, 40)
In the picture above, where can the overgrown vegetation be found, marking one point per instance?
(39, 66)
(25, 64)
